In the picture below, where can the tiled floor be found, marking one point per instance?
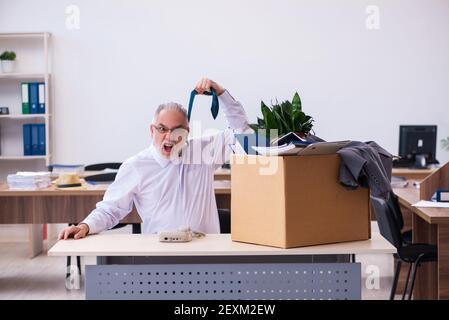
(43, 277)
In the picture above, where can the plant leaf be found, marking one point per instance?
(287, 115)
(296, 102)
(282, 124)
(445, 143)
(268, 117)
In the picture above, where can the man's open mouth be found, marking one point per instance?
(168, 146)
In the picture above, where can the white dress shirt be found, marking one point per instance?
(169, 194)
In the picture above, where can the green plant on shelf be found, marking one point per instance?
(445, 143)
(8, 55)
(285, 117)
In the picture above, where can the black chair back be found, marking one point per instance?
(388, 225)
(102, 177)
(224, 215)
(102, 166)
(393, 202)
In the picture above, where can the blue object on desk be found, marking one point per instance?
(442, 195)
(248, 140)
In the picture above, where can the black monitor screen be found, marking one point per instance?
(418, 140)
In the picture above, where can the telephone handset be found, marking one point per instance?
(183, 234)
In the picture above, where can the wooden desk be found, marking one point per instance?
(214, 267)
(412, 174)
(429, 225)
(50, 205)
(220, 174)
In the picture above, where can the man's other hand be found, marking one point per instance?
(77, 232)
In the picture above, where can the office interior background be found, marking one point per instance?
(114, 63)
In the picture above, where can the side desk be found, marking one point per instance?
(51, 205)
(429, 225)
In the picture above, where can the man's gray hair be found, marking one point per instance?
(170, 106)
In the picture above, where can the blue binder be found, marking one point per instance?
(27, 139)
(248, 140)
(34, 97)
(41, 139)
(34, 140)
(41, 97)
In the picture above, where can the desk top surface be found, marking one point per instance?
(210, 245)
(223, 172)
(413, 171)
(220, 187)
(410, 195)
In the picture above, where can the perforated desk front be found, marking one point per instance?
(215, 267)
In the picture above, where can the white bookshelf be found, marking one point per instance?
(15, 35)
(22, 157)
(33, 65)
(23, 116)
(22, 76)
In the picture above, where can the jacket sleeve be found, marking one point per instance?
(117, 201)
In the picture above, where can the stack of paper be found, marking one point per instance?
(75, 168)
(398, 182)
(285, 149)
(28, 180)
(431, 204)
(317, 148)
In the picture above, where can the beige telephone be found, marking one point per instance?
(183, 234)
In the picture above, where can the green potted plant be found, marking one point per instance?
(285, 117)
(8, 61)
(445, 144)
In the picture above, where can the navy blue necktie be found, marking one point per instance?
(214, 107)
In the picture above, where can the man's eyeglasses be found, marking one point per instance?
(163, 129)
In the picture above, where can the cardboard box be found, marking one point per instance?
(295, 201)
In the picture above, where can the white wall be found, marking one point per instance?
(127, 57)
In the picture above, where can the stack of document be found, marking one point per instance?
(28, 180)
(298, 148)
(431, 204)
(398, 182)
(74, 168)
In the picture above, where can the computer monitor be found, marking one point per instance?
(417, 142)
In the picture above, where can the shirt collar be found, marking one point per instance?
(160, 159)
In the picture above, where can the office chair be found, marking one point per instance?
(393, 202)
(102, 166)
(224, 215)
(412, 253)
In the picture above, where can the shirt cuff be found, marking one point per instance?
(226, 98)
(91, 225)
